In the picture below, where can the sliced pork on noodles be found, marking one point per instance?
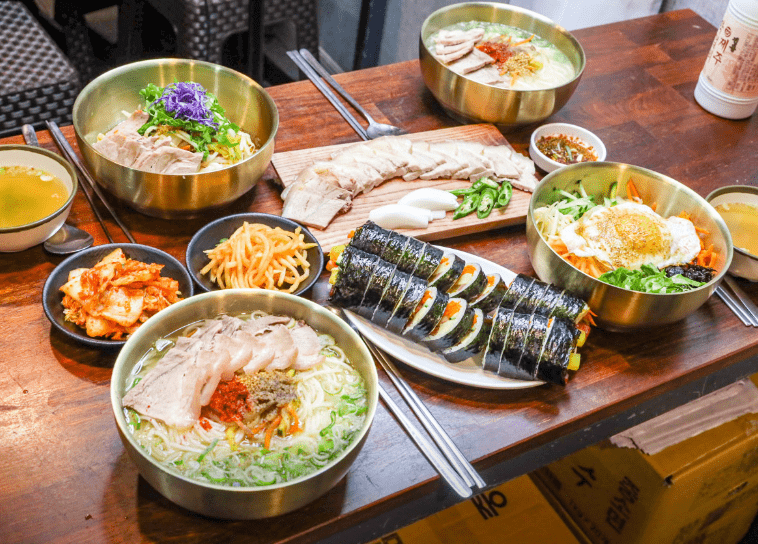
(249, 400)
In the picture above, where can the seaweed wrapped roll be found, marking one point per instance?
(375, 289)
(493, 293)
(515, 344)
(448, 271)
(430, 260)
(427, 314)
(393, 250)
(455, 322)
(471, 343)
(470, 284)
(391, 297)
(558, 354)
(351, 277)
(493, 351)
(410, 256)
(411, 297)
(370, 238)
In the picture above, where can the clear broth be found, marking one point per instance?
(28, 195)
(742, 221)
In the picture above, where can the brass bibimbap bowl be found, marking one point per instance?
(100, 106)
(217, 500)
(619, 309)
(468, 101)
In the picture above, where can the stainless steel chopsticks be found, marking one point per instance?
(733, 305)
(326, 91)
(432, 426)
(71, 155)
(743, 298)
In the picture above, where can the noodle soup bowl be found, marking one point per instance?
(101, 105)
(220, 501)
(37, 229)
(616, 308)
(469, 101)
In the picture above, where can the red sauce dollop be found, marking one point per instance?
(230, 400)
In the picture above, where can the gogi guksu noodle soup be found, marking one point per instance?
(244, 401)
(501, 55)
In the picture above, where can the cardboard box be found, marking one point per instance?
(698, 481)
(515, 512)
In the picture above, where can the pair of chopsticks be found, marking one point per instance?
(303, 64)
(738, 301)
(448, 459)
(89, 181)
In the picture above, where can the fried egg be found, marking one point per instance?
(629, 235)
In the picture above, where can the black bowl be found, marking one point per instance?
(52, 296)
(211, 234)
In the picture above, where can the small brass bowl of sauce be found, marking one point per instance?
(738, 206)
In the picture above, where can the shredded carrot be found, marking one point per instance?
(295, 426)
(631, 190)
(270, 431)
(530, 38)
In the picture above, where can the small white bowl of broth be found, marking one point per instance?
(556, 145)
(37, 188)
(738, 206)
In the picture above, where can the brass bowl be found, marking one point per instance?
(468, 101)
(99, 107)
(620, 309)
(241, 502)
(744, 263)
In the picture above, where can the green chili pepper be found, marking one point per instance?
(464, 192)
(486, 203)
(469, 204)
(504, 195)
(481, 183)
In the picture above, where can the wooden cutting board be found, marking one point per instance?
(290, 163)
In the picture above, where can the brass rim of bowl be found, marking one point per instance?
(747, 189)
(507, 7)
(72, 194)
(313, 307)
(128, 67)
(647, 171)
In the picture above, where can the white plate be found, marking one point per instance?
(419, 357)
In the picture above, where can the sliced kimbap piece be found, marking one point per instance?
(375, 289)
(448, 271)
(492, 294)
(351, 277)
(411, 256)
(558, 354)
(370, 238)
(530, 302)
(516, 291)
(470, 284)
(535, 341)
(493, 351)
(514, 348)
(472, 342)
(456, 321)
(570, 307)
(402, 312)
(430, 260)
(427, 314)
(393, 250)
(391, 297)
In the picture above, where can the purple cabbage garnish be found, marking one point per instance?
(188, 101)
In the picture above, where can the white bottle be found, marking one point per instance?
(728, 84)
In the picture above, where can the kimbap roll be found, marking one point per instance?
(456, 321)
(526, 294)
(472, 342)
(430, 260)
(533, 344)
(393, 250)
(427, 314)
(493, 351)
(470, 284)
(402, 312)
(492, 294)
(391, 297)
(516, 291)
(351, 277)
(448, 271)
(370, 238)
(411, 256)
(515, 344)
(558, 354)
(382, 273)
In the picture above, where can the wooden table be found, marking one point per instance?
(65, 477)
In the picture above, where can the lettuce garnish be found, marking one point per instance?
(649, 279)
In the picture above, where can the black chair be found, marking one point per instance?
(39, 83)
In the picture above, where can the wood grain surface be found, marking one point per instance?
(288, 164)
(66, 478)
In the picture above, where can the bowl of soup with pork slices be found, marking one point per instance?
(496, 63)
(37, 188)
(241, 404)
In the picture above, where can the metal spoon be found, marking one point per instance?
(67, 239)
(374, 130)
